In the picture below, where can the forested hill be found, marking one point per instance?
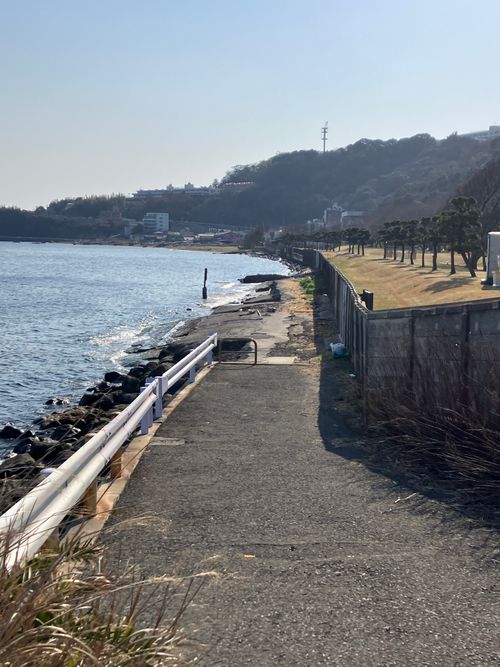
(405, 179)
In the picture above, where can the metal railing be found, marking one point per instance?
(28, 524)
(241, 339)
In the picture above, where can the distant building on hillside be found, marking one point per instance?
(483, 135)
(187, 189)
(352, 219)
(192, 190)
(332, 215)
(155, 223)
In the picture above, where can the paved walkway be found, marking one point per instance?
(321, 561)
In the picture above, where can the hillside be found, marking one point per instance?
(405, 178)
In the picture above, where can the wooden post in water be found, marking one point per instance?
(204, 290)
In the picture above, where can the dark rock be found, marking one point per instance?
(26, 435)
(104, 386)
(131, 384)
(159, 370)
(89, 399)
(262, 278)
(12, 490)
(9, 431)
(122, 397)
(22, 465)
(137, 372)
(150, 366)
(105, 402)
(73, 416)
(23, 445)
(177, 350)
(52, 421)
(62, 455)
(175, 387)
(57, 401)
(65, 431)
(45, 450)
(182, 351)
(114, 377)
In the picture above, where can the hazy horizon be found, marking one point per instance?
(118, 96)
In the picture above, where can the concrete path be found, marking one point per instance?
(321, 561)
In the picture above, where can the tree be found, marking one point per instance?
(424, 233)
(363, 238)
(411, 234)
(462, 231)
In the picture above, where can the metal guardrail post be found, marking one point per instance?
(210, 355)
(147, 420)
(158, 409)
(192, 375)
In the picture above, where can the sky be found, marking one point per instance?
(106, 96)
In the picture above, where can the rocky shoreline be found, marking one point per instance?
(52, 439)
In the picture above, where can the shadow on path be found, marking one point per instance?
(344, 433)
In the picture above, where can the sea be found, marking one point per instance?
(69, 313)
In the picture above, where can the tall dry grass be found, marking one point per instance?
(445, 425)
(61, 610)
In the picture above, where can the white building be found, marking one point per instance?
(351, 219)
(156, 223)
(483, 135)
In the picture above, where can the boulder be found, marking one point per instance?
(105, 402)
(65, 431)
(57, 401)
(262, 278)
(89, 399)
(21, 465)
(159, 370)
(12, 490)
(137, 372)
(9, 431)
(114, 377)
(45, 450)
(123, 397)
(131, 384)
(23, 446)
(150, 366)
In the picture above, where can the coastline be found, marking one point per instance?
(51, 439)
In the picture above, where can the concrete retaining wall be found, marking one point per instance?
(447, 354)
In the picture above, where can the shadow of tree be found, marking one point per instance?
(451, 283)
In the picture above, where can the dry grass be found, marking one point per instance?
(62, 610)
(397, 285)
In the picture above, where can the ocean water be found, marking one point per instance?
(69, 313)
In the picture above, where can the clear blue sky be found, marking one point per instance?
(101, 96)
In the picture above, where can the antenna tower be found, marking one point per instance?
(324, 135)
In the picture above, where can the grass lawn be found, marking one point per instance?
(397, 285)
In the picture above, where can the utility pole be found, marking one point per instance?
(324, 135)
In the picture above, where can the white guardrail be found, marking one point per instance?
(33, 519)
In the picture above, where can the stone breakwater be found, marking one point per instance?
(52, 439)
